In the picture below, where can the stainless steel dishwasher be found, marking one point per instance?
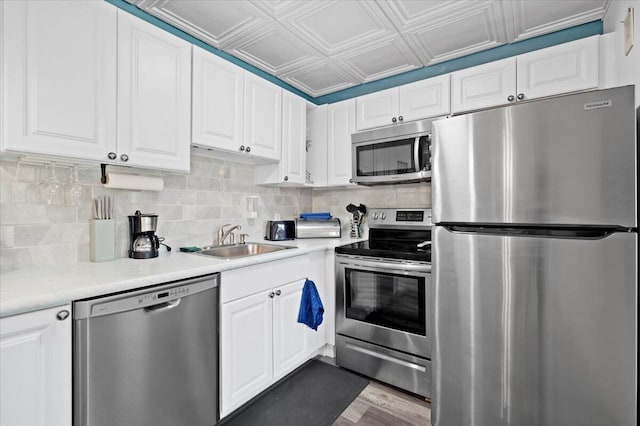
(148, 357)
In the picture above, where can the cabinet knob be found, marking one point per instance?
(393, 120)
(62, 315)
(124, 158)
(511, 98)
(400, 118)
(112, 156)
(248, 149)
(272, 295)
(278, 292)
(241, 147)
(520, 96)
(286, 178)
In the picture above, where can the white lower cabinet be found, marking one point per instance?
(290, 338)
(35, 368)
(246, 349)
(260, 338)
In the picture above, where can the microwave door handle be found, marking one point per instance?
(416, 154)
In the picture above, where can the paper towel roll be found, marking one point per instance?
(136, 182)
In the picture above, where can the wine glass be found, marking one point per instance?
(75, 191)
(50, 187)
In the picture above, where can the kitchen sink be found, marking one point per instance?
(232, 251)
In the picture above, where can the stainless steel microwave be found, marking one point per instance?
(394, 154)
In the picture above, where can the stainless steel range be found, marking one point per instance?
(383, 300)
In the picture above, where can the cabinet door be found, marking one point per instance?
(262, 117)
(59, 77)
(425, 98)
(317, 150)
(559, 69)
(246, 349)
(290, 340)
(294, 119)
(483, 86)
(35, 368)
(377, 109)
(341, 123)
(154, 96)
(217, 96)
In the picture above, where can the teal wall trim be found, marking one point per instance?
(500, 52)
(134, 10)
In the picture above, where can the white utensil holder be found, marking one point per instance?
(102, 240)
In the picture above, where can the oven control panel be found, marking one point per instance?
(385, 217)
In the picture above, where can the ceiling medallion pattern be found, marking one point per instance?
(323, 46)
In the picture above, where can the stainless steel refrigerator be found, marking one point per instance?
(535, 263)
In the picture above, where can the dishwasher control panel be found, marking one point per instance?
(164, 295)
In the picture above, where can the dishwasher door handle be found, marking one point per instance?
(165, 306)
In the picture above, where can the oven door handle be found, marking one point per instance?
(385, 266)
(416, 154)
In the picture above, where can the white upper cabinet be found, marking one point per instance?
(294, 129)
(341, 123)
(35, 367)
(555, 70)
(292, 165)
(567, 67)
(413, 101)
(154, 96)
(89, 82)
(317, 145)
(483, 86)
(262, 117)
(59, 78)
(424, 98)
(377, 109)
(218, 99)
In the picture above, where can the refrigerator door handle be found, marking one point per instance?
(593, 233)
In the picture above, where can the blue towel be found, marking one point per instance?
(316, 216)
(311, 308)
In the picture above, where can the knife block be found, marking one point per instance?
(102, 240)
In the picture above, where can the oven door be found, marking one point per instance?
(386, 302)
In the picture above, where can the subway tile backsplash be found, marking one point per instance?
(190, 209)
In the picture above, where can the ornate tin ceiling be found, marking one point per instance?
(323, 46)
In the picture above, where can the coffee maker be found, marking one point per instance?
(144, 243)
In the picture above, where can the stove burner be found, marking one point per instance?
(393, 236)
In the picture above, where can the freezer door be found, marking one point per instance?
(534, 331)
(563, 161)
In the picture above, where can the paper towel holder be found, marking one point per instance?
(103, 175)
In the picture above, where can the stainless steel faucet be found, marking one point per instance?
(222, 234)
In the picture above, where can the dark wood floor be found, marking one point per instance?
(380, 405)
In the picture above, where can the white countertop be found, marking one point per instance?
(30, 289)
